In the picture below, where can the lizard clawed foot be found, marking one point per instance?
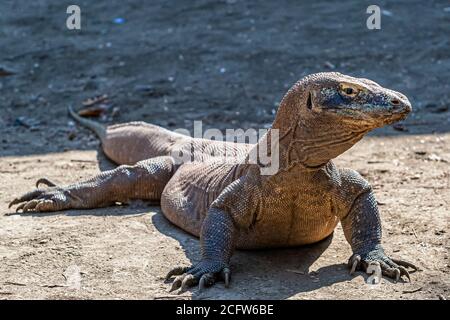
(377, 260)
(39, 200)
(205, 274)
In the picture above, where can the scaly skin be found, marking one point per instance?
(232, 205)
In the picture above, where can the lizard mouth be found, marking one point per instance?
(397, 117)
(354, 117)
(349, 112)
(381, 112)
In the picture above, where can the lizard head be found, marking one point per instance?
(325, 114)
(354, 102)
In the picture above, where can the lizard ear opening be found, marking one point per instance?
(309, 102)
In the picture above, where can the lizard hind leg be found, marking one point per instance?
(129, 143)
(145, 180)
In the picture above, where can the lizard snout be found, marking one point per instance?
(399, 103)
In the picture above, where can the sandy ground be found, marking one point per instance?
(226, 63)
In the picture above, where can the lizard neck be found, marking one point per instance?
(312, 145)
(305, 142)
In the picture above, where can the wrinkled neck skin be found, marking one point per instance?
(307, 142)
(311, 145)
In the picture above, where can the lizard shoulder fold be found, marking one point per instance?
(242, 200)
(350, 186)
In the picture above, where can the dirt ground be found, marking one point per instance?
(227, 63)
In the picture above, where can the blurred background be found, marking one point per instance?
(225, 62)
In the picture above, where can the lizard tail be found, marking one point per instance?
(96, 127)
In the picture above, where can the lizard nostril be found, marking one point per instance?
(395, 102)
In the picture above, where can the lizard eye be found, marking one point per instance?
(348, 90)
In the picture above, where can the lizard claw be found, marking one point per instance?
(226, 274)
(176, 283)
(397, 275)
(404, 272)
(46, 182)
(354, 262)
(204, 274)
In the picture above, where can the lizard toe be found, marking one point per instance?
(20, 206)
(30, 205)
(189, 280)
(26, 197)
(45, 206)
(395, 271)
(176, 272)
(40, 200)
(376, 262)
(207, 280)
(405, 264)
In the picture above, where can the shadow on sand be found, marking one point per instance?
(262, 274)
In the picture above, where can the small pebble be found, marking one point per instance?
(119, 20)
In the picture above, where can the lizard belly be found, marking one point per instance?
(293, 228)
(292, 217)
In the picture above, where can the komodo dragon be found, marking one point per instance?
(232, 205)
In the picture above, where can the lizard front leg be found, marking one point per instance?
(362, 229)
(144, 180)
(217, 244)
(232, 211)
